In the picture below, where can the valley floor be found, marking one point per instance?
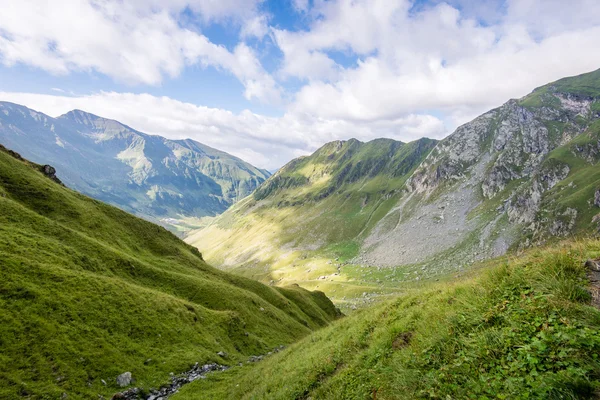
(522, 327)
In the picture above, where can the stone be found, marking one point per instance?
(597, 198)
(222, 354)
(124, 379)
(593, 265)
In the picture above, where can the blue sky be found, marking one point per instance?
(271, 80)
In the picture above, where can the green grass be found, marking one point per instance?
(578, 189)
(540, 97)
(520, 328)
(88, 292)
(582, 85)
(314, 210)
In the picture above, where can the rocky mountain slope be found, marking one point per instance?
(153, 177)
(89, 292)
(520, 174)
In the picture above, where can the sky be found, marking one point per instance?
(271, 80)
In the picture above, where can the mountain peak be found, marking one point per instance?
(84, 117)
(155, 177)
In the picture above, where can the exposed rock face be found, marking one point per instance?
(50, 172)
(523, 206)
(504, 156)
(515, 176)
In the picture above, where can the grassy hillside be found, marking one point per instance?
(584, 85)
(522, 327)
(304, 222)
(88, 292)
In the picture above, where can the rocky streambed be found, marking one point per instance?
(177, 381)
(197, 372)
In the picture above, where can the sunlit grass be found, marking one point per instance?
(522, 327)
(88, 292)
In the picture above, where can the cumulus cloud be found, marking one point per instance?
(267, 142)
(133, 42)
(435, 57)
(360, 68)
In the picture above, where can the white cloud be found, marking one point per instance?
(417, 69)
(301, 5)
(133, 42)
(267, 142)
(435, 57)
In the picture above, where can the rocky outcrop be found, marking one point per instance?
(510, 147)
(523, 206)
(563, 223)
(50, 172)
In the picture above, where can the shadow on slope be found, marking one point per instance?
(88, 292)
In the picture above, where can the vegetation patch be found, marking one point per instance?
(521, 328)
(88, 292)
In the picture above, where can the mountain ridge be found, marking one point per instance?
(155, 177)
(520, 174)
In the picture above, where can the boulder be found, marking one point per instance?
(50, 172)
(593, 265)
(124, 379)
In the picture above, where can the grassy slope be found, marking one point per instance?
(584, 175)
(520, 328)
(587, 85)
(311, 213)
(88, 292)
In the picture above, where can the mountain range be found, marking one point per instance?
(98, 303)
(159, 179)
(385, 211)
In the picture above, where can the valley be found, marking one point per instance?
(299, 200)
(89, 293)
(460, 268)
(364, 220)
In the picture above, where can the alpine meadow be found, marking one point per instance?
(299, 200)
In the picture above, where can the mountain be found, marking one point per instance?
(156, 178)
(520, 328)
(354, 217)
(89, 292)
